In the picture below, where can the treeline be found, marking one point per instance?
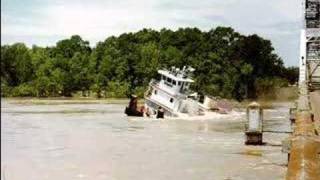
(227, 64)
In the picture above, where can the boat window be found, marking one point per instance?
(179, 83)
(163, 77)
(174, 82)
(158, 77)
(185, 86)
(155, 91)
(169, 80)
(171, 100)
(182, 87)
(201, 99)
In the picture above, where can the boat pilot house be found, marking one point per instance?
(171, 90)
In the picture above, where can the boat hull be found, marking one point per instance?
(129, 112)
(153, 106)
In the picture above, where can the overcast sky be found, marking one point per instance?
(44, 22)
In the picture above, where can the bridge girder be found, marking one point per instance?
(310, 45)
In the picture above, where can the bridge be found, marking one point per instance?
(304, 159)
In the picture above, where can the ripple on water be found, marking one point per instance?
(88, 141)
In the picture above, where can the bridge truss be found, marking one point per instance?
(310, 45)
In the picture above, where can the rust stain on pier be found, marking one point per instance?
(315, 106)
(304, 162)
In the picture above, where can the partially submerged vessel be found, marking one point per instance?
(171, 92)
(170, 95)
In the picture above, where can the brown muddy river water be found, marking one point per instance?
(66, 140)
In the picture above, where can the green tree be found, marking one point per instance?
(227, 64)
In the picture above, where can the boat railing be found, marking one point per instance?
(168, 84)
(154, 82)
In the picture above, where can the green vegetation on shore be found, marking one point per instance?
(227, 64)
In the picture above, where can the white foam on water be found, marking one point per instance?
(233, 115)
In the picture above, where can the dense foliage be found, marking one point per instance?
(227, 64)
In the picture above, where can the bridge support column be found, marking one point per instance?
(304, 162)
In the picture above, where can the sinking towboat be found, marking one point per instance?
(171, 92)
(170, 95)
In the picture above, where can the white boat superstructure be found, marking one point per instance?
(171, 92)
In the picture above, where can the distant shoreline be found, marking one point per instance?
(265, 102)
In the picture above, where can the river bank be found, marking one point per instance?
(284, 95)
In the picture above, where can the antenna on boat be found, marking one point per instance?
(184, 68)
(177, 71)
(172, 70)
(191, 69)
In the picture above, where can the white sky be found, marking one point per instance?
(44, 22)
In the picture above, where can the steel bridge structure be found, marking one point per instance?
(310, 45)
(304, 161)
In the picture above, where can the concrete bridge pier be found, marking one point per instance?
(304, 161)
